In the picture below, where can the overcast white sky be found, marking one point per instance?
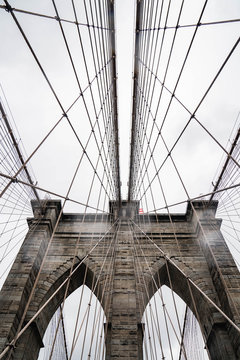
(35, 110)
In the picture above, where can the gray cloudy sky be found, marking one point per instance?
(35, 110)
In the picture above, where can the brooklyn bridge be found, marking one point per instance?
(119, 164)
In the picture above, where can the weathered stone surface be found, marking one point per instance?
(193, 241)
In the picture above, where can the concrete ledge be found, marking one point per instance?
(203, 205)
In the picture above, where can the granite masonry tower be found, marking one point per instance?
(206, 260)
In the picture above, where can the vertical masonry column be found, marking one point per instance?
(124, 336)
(18, 285)
(223, 340)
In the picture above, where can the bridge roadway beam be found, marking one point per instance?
(203, 258)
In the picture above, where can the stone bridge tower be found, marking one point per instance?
(205, 259)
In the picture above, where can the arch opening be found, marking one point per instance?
(171, 330)
(76, 332)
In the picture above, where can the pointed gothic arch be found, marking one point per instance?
(172, 329)
(195, 261)
(53, 284)
(75, 328)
